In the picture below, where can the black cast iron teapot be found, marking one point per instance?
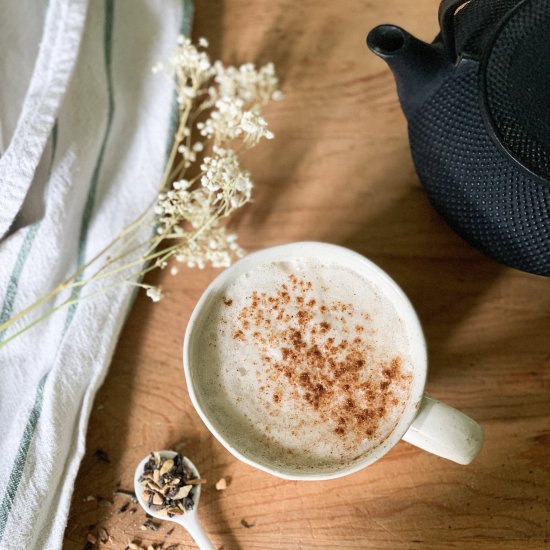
(477, 101)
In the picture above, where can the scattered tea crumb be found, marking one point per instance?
(91, 538)
(221, 485)
(170, 532)
(89, 498)
(200, 481)
(123, 508)
(104, 501)
(102, 456)
(125, 493)
(133, 511)
(119, 491)
(143, 528)
(246, 524)
(173, 547)
(103, 534)
(148, 524)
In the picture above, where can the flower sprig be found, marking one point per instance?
(219, 113)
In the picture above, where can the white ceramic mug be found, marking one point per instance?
(425, 422)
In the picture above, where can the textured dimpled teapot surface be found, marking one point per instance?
(501, 210)
(517, 86)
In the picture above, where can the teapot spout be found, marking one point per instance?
(418, 67)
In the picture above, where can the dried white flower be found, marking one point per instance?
(155, 293)
(189, 67)
(179, 184)
(228, 122)
(203, 182)
(255, 86)
(255, 128)
(224, 122)
(188, 154)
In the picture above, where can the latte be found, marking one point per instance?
(303, 364)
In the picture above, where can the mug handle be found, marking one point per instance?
(445, 432)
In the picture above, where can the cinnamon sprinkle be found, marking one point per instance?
(333, 372)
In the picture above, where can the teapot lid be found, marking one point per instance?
(516, 83)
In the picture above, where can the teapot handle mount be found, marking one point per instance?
(447, 11)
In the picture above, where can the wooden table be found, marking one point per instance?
(340, 171)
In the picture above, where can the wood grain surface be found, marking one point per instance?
(340, 171)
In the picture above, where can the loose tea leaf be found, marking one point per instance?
(168, 485)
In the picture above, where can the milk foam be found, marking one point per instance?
(282, 387)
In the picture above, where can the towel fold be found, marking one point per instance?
(85, 132)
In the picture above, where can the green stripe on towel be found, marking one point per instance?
(20, 458)
(13, 283)
(90, 199)
(185, 29)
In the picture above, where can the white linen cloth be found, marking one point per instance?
(85, 128)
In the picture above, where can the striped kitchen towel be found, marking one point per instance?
(85, 127)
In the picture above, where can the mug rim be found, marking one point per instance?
(380, 278)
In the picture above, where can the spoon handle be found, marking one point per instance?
(195, 529)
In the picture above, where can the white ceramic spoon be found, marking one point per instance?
(189, 520)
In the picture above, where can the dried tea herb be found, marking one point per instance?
(149, 524)
(103, 535)
(246, 524)
(125, 493)
(104, 501)
(221, 485)
(168, 485)
(123, 508)
(102, 456)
